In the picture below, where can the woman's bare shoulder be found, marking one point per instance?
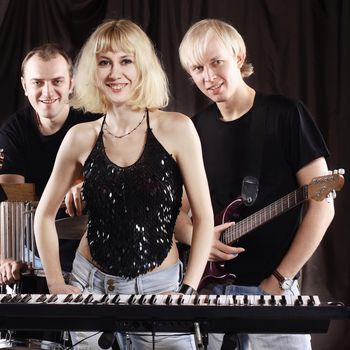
(172, 120)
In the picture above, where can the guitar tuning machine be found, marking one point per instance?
(341, 171)
(330, 196)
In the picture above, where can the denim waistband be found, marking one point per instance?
(95, 280)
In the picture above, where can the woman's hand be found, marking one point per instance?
(63, 288)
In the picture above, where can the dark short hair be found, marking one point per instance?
(47, 52)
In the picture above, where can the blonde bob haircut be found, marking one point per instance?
(195, 42)
(151, 90)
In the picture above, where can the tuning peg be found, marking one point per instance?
(341, 171)
(335, 171)
(334, 194)
(329, 197)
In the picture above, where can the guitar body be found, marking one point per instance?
(215, 272)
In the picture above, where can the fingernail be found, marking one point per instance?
(235, 254)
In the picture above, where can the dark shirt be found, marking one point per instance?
(132, 210)
(291, 141)
(29, 153)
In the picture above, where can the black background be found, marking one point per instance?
(300, 48)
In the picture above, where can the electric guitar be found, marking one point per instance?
(318, 189)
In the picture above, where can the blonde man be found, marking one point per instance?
(290, 150)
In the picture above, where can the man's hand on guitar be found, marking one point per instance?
(73, 201)
(220, 251)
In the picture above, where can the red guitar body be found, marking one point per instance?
(215, 272)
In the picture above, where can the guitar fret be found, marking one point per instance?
(263, 215)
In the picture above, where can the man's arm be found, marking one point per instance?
(10, 271)
(183, 233)
(316, 220)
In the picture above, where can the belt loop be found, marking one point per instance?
(138, 285)
(91, 277)
(181, 275)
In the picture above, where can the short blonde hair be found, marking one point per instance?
(195, 42)
(151, 90)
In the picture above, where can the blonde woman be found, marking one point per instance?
(135, 161)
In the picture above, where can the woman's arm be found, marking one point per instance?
(188, 154)
(66, 170)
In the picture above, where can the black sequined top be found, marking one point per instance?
(132, 210)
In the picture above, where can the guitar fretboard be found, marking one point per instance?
(262, 216)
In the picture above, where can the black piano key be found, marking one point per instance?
(26, 298)
(142, 299)
(88, 299)
(15, 299)
(272, 300)
(132, 299)
(68, 298)
(311, 301)
(298, 301)
(53, 298)
(6, 298)
(153, 299)
(180, 300)
(173, 299)
(283, 300)
(245, 300)
(168, 299)
(78, 299)
(115, 299)
(261, 300)
(104, 298)
(41, 298)
(196, 300)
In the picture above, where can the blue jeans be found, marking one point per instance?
(258, 341)
(90, 279)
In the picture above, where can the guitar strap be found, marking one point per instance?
(256, 138)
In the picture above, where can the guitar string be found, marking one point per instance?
(287, 202)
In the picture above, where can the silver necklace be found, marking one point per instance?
(124, 135)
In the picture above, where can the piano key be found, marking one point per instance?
(78, 299)
(52, 298)
(68, 298)
(261, 300)
(115, 299)
(272, 300)
(26, 298)
(41, 298)
(5, 298)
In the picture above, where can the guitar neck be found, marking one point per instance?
(264, 215)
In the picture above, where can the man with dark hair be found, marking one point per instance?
(30, 138)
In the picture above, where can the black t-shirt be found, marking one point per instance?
(29, 153)
(291, 140)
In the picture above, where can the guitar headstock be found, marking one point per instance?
(322, 186)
